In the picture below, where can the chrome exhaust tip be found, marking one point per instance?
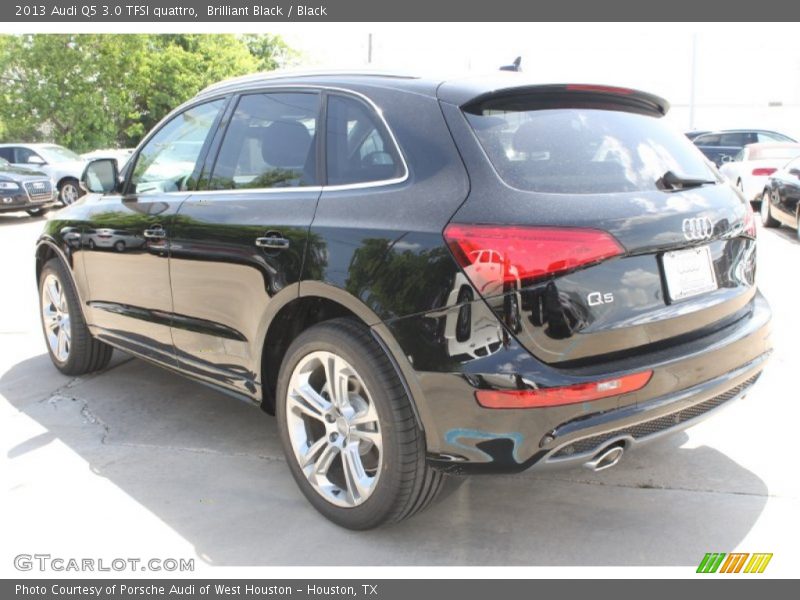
(606, 458)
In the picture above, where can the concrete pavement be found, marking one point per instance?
(136, 461)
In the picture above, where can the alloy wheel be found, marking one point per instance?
(334, 429)
(69, 193)
(55, 315)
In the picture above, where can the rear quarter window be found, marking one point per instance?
(583, 150)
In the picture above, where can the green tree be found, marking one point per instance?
(93, 91)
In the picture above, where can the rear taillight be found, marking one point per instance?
(493, 255)
(559, 396)
(764, 171)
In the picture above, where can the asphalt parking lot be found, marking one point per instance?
(135, 461)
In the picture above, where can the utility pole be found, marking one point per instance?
(693, 82)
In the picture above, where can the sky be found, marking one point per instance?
(740, 69)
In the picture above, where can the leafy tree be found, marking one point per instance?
(92, 91)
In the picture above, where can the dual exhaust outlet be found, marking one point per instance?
(606, 458)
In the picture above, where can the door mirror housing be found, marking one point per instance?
(101, 176)
(795, 171)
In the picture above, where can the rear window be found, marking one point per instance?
(583, 150)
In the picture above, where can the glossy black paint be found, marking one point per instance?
(207, 302)
(783, 190)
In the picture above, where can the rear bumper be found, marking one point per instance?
(690, 382)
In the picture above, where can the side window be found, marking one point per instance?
(23, 155)
(732, 139)
(167, 161)
(7, 154)
(772, 137)
(269, 143)
(707, 140)
(358, 147)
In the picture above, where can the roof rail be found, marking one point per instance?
(297, 73)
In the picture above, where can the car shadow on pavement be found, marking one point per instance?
(211, 468)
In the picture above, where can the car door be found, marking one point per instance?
(240, 243)
(125, 239)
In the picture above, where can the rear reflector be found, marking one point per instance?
(492, 255)
(559, 396)
(764, 171)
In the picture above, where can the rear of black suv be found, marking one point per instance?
(607, 287)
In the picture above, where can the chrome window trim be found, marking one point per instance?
(259, 86)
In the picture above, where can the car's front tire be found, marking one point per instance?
(72, 348)
(348, 429)
(69, 191)
(36, 212)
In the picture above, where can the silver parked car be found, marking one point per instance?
(62, 165)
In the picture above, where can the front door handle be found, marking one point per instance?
(273, 241)
(155, 233)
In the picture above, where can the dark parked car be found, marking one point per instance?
(780, 203)
(722, 146)
(23, 189)
(421, 278)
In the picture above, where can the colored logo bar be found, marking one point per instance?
(735, 562)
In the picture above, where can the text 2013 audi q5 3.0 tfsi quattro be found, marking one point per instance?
(422, 279)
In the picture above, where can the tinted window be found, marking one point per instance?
(270, 142)
(737, 139)
(582, 150)
(24, 155)
(167, 161)
(358, 147)
(707, 140)
(7, 154)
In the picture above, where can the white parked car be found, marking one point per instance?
(62, 165)
(120, 154)
(752, 166)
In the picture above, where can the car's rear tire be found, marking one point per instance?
(767, 220)
(72, 348)
(362, 452)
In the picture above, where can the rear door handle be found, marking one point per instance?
(273, 242)
(155, 233)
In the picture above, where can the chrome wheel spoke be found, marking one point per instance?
(323, 463)
(305, 400)
(313, 452)
(337, 377)
(373, 437)
(55, 318)
(357, 481)
(333, 428)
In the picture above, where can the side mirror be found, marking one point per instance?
(35, 160)
(101, 176)
(726, 159)
(795, 172)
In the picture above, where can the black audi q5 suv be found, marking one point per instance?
(420, 278)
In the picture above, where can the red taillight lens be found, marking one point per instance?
(492, 255)
(559, 396)
(764, 171)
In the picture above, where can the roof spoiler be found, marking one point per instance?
(571, 94)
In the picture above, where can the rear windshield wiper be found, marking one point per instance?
(672, 181)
